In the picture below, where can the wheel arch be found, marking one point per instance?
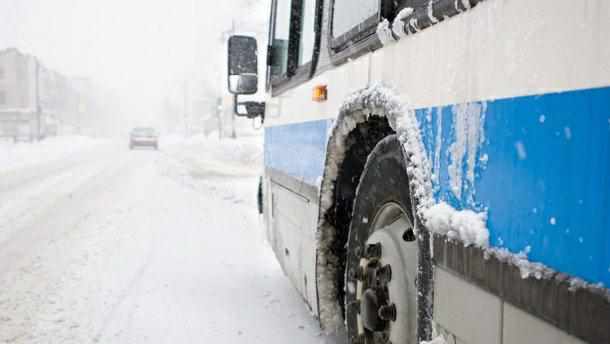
(380, 110)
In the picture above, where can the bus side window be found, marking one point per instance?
(349, 14)
(294, 36)
(281, 38)
(308, 31)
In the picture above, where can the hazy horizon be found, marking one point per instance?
(140, 49)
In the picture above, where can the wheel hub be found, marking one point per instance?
(386, 303)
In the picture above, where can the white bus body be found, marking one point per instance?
(512, 106)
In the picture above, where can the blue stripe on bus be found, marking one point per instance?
(546, 182)
(298, 150)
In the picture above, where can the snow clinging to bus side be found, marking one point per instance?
(469, 134)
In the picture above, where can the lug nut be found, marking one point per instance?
(388, 312)
(373, 251)
(408, 235)
(385, 274)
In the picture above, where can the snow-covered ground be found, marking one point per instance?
(14, 156)
(100, 244)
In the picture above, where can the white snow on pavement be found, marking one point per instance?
(115, 246)
(22, 154)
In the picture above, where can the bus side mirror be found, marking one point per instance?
(250, 109)
(243, 65)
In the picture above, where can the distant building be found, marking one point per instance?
(17, 94)
(35, 101)
(17, 89)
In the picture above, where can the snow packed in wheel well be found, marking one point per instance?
(365, 118)
(361, 142)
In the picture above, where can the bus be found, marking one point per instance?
(438, 171)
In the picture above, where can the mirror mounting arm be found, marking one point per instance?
(269, 56)
(235, 103)
(253, 109)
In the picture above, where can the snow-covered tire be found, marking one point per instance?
(381, 266)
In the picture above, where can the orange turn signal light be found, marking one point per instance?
(320, 93)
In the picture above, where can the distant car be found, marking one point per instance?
(144, 137)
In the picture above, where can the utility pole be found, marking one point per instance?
(37, 100)
(219, 109)
(233, 132)
(185, 104)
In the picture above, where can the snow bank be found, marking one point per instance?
(466, 225)
(17, 155)
(208, 154)
(227, 170)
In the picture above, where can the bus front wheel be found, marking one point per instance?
(382, 257)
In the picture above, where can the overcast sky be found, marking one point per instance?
(139, 46)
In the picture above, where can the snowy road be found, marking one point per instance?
(111, 246)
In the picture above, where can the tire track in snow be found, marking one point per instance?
(17, 179)
(132, 287)
(19, 254)
(64, 189)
